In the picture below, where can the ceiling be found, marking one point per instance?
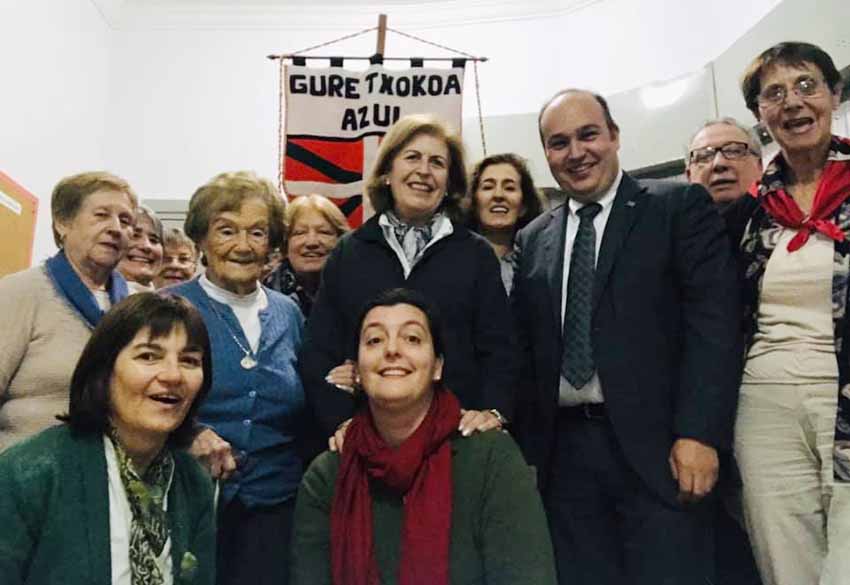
(321, 14)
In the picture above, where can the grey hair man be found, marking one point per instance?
(724, 156)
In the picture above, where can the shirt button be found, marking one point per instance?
(247, 422)
(252, 393)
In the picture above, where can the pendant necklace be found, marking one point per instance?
(248, 362)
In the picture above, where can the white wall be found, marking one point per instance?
(55, 86)
(168, 101)
(189, 101)
(823, 22)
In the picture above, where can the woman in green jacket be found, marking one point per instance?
(410, 499)
(110, 497)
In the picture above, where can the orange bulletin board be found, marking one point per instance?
(18, 208)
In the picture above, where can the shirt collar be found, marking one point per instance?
(606, 201)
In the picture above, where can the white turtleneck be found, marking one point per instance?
(246, 308)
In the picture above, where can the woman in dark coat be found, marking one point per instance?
(416, 240)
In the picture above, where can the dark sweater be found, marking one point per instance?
(498, 532)
(54, 514)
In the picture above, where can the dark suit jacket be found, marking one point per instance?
(664, 326)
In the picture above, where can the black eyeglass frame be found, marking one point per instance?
(742, 151)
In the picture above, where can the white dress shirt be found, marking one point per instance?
(591, 392)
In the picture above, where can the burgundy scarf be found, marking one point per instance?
(833, 189)
(421, 470)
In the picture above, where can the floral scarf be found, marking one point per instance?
(759, 240)
(146, 496)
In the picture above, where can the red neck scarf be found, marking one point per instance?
(421, 469)
(833, 189)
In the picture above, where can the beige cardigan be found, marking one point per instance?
(41, 339)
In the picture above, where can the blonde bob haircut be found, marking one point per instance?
(70, 193)
(321, 205)
(400, 135)
(227, 192)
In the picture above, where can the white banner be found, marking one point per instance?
(335, 119)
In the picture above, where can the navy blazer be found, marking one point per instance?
(665, 314)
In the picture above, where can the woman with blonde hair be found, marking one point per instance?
(312, 226)
(416, 239)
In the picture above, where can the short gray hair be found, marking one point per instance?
(752, 137)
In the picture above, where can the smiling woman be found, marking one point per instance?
(792, 439)
(410, 500)
(416, 239)
(313, 225)
(256, 401)
(144, 254)
(133, 507)
(504, 200)
(49, 311)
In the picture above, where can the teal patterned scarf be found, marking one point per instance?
(149, 527)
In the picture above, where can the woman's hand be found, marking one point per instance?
(214, 453)
(338, 438)
(344, 376)
(472, 421)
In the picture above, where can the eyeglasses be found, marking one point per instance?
(730, 151)
(804, 87)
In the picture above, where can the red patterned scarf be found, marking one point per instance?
(421, 470)
(833, 189)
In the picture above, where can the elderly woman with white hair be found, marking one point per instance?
(256, 400)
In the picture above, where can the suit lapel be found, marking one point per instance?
(553, 257)
(628, 202)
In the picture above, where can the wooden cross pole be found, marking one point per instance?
(382, 34)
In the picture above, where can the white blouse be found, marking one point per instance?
(120, 519)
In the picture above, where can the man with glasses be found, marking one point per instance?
(724, 156)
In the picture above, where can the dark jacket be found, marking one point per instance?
(459, 274)
(664, 326)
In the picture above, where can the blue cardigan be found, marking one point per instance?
(257, 411)
(54, 514)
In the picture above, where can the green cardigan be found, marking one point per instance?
(54, 514)
(498, 536)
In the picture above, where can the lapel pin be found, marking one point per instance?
(630, 203)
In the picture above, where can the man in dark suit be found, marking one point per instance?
(627, 307)
(724, 156)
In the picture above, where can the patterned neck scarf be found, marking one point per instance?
(833, 189)
(149, 527)
(412, 238)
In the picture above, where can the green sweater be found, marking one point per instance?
(54, 514)
(498, 535)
